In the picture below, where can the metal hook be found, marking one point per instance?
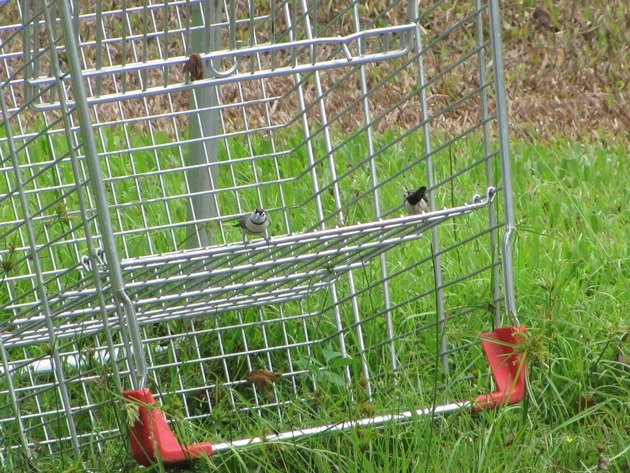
(234, 44)
(491, 192)
(100, 254)
(86, 263)
(229, 72)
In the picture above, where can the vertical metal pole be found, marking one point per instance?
(50, 17)
(292, 27)
(323, 116)
(139, 377)
(506, 165)
(376, 199)
(487, 148)
(203, 127)
(435, 241)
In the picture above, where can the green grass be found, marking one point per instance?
(573, 270)
(573, 277)
(57, 225)
(572, 273)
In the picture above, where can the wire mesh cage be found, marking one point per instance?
(136, 134)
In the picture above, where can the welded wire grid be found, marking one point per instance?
(304, 108)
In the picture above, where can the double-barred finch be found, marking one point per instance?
(255, 223)
(416, 202)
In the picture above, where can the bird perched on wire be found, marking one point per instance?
(255, 223)
(416, 202)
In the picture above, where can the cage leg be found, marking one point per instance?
(506, 166)
(151, 439)
(507, 366)
(487, 146)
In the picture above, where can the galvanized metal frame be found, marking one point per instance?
(117, 299)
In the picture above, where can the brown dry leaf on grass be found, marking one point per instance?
(262, 378)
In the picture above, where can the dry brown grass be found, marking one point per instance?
(566, 69)
(570, 79)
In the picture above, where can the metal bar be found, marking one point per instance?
(376, 421)
(72, 147)
(430, 173)
(310, 153)
(494, 242)
(103, 216)
(506, 165)
(376, 202)
(337, 198)
(217, 79)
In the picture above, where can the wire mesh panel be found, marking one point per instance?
(136, 134)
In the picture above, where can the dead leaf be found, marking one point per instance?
(194, 67)
(585, 402)
(37, 445)
(542, 18)
(262, 378)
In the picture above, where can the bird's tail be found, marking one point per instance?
(420, 192)
(417, 196)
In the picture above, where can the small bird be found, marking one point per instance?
(416, 201)
(255, 223)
